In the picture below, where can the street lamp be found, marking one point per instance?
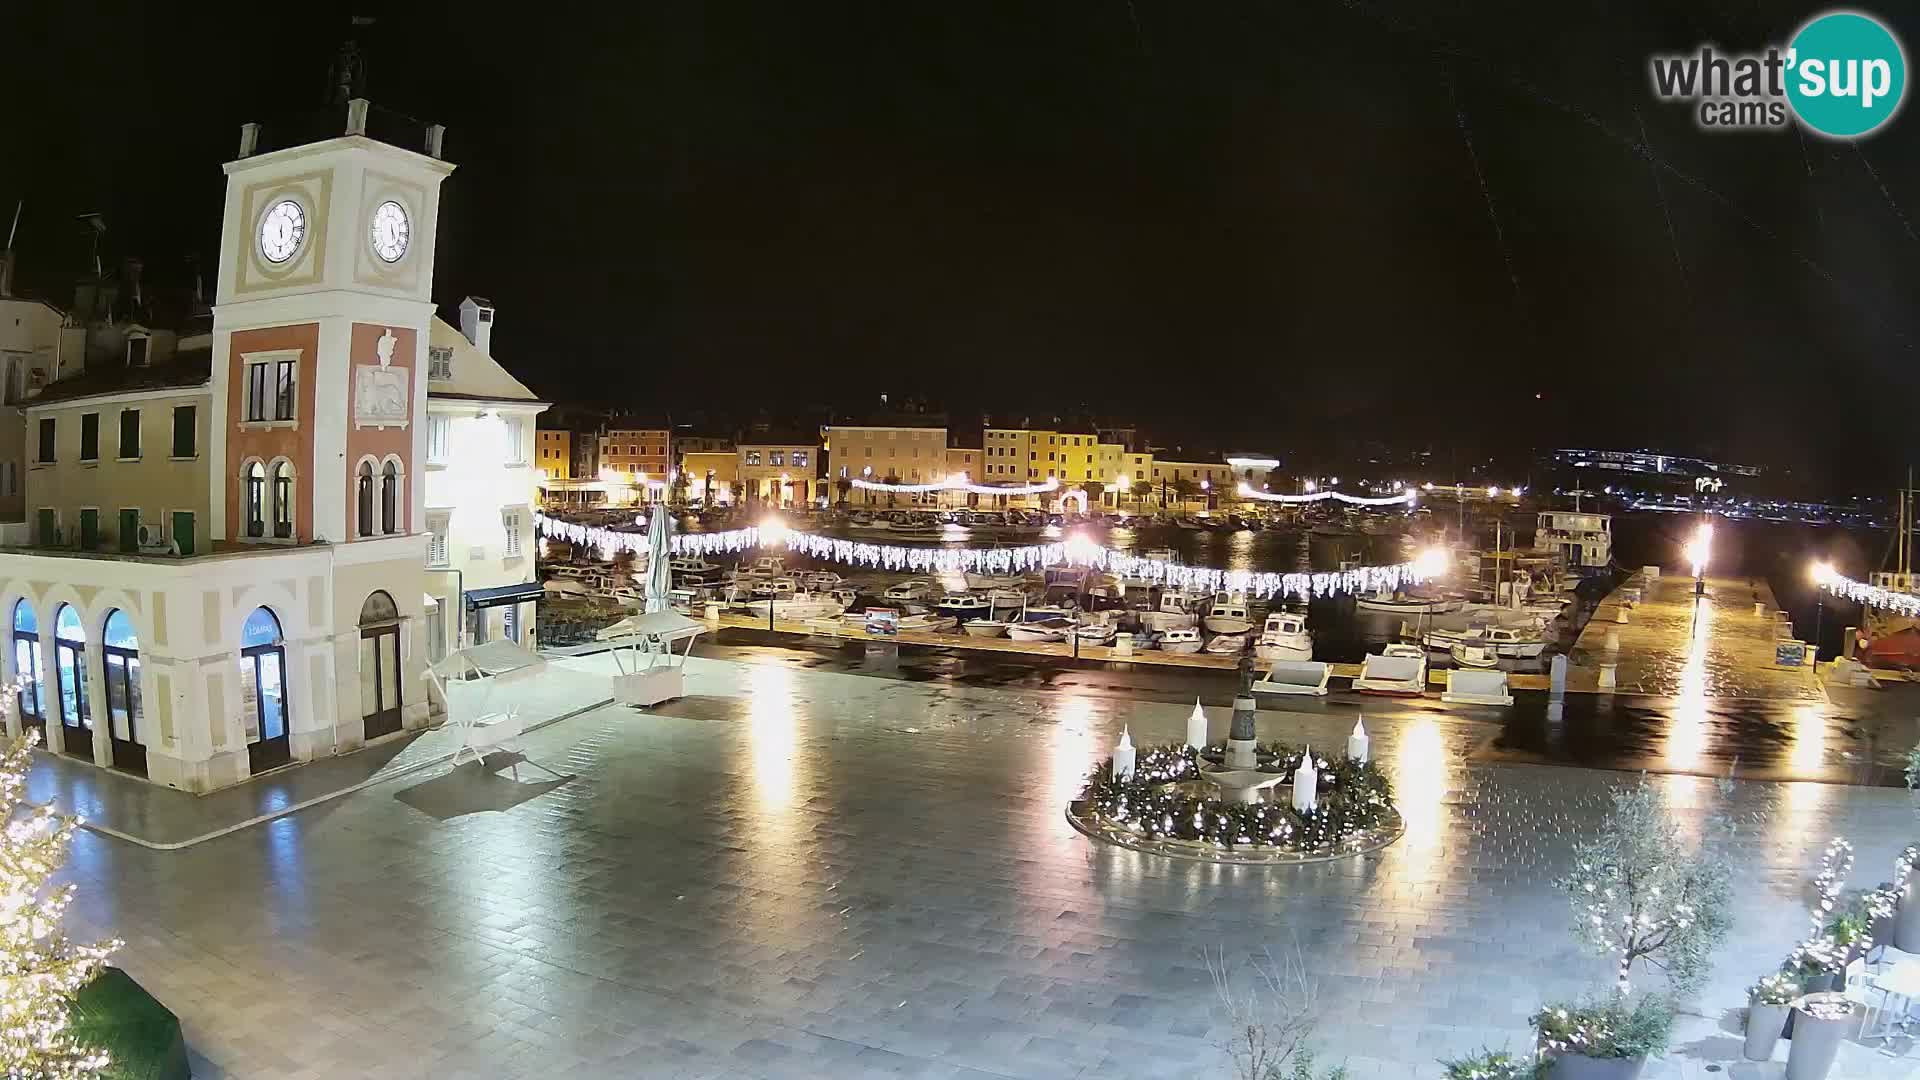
(1699, 551)
(1821, 572)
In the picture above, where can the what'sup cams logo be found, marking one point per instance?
(1843, 75)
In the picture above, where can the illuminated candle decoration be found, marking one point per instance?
(1123, 757)
(1197, 727)
(1357, 742)
(1306, 783)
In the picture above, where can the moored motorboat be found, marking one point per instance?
(1285, 637)
(1180, 639)
(1175, 612)
(1094, 633)
(929, 623)
(913, 589)
(799, 607)
(1228, 615)
(964, 606)
(1227, 644)
(1054, 629)
(985, 627)
(1406, 605)
(1473, 656)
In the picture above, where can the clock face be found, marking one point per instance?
(282, 230)
(390, 231)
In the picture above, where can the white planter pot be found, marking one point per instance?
(1581, 1067)
(650, 687)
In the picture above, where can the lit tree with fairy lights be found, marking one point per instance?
(40, 969)
(1640, 893)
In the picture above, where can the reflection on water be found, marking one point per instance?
(771, 735)
(1687, 737)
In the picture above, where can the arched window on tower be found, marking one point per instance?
(283, 500)
(363, 498)
(256, 499)
(390, 498)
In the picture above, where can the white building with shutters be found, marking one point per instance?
(481, 487)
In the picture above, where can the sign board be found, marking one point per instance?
(883, 621)
(1789, 653)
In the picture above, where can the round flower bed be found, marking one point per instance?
(1168, 808)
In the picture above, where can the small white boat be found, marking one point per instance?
(1519, 643)
(691, 565)
(1227, 644)
(1473, 656)
(766, 566)
(1180, 639)
(1042, 612)
(823, 581)
(915, 589)
(1007, 599)
(964, 606)
(779, 588)
(1095, 633)
(985, 628)
(928, 624)
(1228, 615)
(1044, 630)
(1285, 637)
(1174, 613)
(993, 581)
(800, 607)
(1406, 605)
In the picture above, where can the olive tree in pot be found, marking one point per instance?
(1767, 1005)
(1646, 897)
(1605, 1038)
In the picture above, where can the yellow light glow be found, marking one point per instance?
(1687, 738)
(1700, 548)
(773, 532)
(771, 735)
(1821, 572)
(1310, 487)
(1431, 563)
(1493, 492)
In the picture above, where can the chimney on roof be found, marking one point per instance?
(476, 322)
(6, 272)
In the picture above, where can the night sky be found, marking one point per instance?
(1256, 224)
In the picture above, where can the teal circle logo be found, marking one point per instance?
(1847, 74)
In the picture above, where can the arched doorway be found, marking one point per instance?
(121, 650)
(263, 691)
(26, 661)
(379, 665)
(70, 667)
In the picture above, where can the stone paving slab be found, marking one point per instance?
(800, 874)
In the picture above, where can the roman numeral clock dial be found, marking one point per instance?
(390, 231)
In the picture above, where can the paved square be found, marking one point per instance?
(799, 874)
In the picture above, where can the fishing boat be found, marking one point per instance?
(779, 588)
(1095, 633)
(691, 566)
(1180, 639)
(799, 607)
(1473, 656)
(1227, 644)
(1285, 637)
(985, 627)
(1175, 612)
(1514, 642)
(964, 606)
(1007, 599)
(1406, 605)
(993, 581)
(1228, 615)
(914, 589)
(1054, 629)
(929, 623)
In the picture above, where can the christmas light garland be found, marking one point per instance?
(1860, 592)
(1075, 551)
(959, 482)
(1406, 498)
(1356, 799)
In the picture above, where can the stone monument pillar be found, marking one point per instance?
(1240, 737)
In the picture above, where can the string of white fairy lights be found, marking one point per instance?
(1406, 498)
(1076, 551)
(1860, 592)
(958, 482)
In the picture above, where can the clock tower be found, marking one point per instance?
(321, 316)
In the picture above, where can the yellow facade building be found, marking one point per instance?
(906, 455)
(553, 453)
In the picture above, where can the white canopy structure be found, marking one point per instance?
(483, 727)
(652, 634)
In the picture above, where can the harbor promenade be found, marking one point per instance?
(1721, 644)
